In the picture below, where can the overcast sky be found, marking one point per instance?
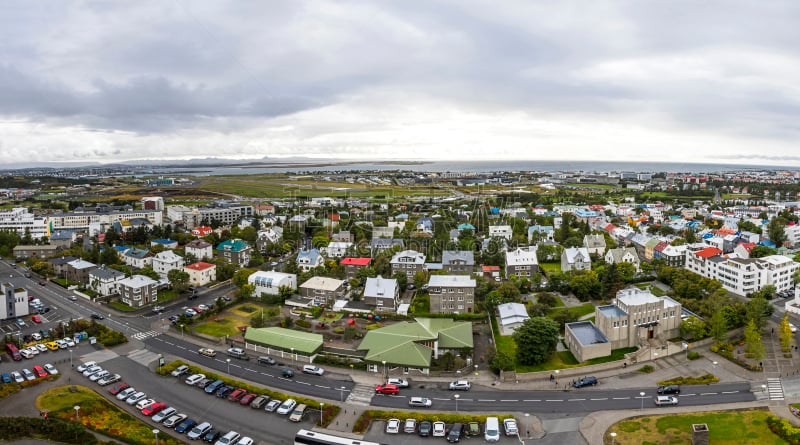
(688, 81)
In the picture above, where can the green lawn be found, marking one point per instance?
(725, 428)
(218, 327)
(549, 268)
(584, 309)
(120, 306)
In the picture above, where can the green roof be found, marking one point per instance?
(404, 343)
(280, 338)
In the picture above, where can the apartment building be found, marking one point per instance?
(451, 294)
(409, 262)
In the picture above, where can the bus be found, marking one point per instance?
(306, 437)
(13, 352)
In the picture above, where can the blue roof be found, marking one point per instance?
(587, 333)
(164, 241)
(767, 243)
(466, 226)
(312, 255)
(232, 245)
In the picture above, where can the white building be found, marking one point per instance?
(501, 231)
(623, 255)
(105, 281)
(575, 258)
(201, 273)
(511, 316)
(383, 293)
(743, 276)
(337, 249)
(19, 219)
(153, 203)
(269, 282)
(14, 302)
(138, 290)
(166, 261)
(521, 262)
(199, 249)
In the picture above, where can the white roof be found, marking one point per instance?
(637, 297)
(512, 313)
(451, 280)
(323, 283)
(572, 253)
(137, 281)
(409, 256)
(521, 257)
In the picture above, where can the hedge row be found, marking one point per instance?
(702, 380)
(8, 389)
(784, 429)
(330, 412)
(15, 428)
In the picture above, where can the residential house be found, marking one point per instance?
(511, 316)
(137, 258)
(337, 249)
(504, 232)
(539, 233)
(235, 251)
(270, 282)
(25, 251)
(201, 231)
(491, 272)
(424, 226)
(595, 244)
(59, 265)
(267, 237)
(623, 255)
(105, 281)
(451, 294)
(199, 250)
(138, 290)
(77, 271)
(409, 346)
(575, 258)
(408, 261)
(522, 262)
(309, 259)
(379, 245)
(165, 261)
(62, 239)
(353, 265)
(201, 273)
(343, 236)
(165, 243)
(383, 293)
(324, 291)
(458, 261)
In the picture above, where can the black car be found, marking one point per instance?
(224, 391)
(424, 428)
(212, 435)
(97, 316)
(288, 373)
(585, 381)
(669, 389)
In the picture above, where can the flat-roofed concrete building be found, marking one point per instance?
(451, 294)
(586, 341)
(638, 317)
(323, 290)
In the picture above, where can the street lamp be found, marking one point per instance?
(321, 405)
(613, 438)
(229, 365)
(642, 396)
(456, 396)
(341, 394)
(181, 330)
(70, 358)
(763, 388)
(384, 370)
(292, 357)
(77, 416)
(715, 364)
(155, 431)
(527, 425)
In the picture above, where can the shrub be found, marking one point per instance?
(646, 369)
(704, 379)
(693, 355)
(784, 429)
(303, 323)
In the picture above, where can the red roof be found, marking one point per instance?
(490, 268)
(356, 261)
(200, 266)
(610, 228)
(708, 252)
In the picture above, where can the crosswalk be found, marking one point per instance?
(775, 389)
(143, 356)
(144, 335)
(361, 394)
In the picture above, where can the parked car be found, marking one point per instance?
(245, 441)
(180, 370)
(89, 371)
(438, 429)
(510, 427)
(400, 383)
(208, 352)
(28, 374)
(311, 369)
(298, 412)
(473, 429)
(286, 407)
(424, 428)
(39, 371)
(6, 377)
(410, 426)
(247, 399)
(50, 369)
(423, 402)
(266, 360)
(185, 426)
(237, 395)
(84, 366)
(125, 393)
(229, 438)
(666, 400)
(109, 379)
(17, 377)
(212, 436)
(393, 426)
(119, 387)
(213, 386)
(585, 381)
(99, 375)
(174, 420)
(194, 379)
(460, 385)
(136, 398)
(199, 431)
(224, 391)
(669, 389)
(40, 346)
(153, 408)
(36, 319)
(142, 404)
(455, 432)
(190, 313)
(272, 405)
(163, 414)
(387, 389)
(259, 402)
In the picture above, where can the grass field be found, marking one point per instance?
(228, 322)
(725, 428)
(549, 268)
(584, 309)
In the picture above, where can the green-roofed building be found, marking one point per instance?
(412, 345)
(284, 343)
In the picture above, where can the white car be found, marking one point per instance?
(84, 366)
(36, 336)
(203, 307)
(245, 441)
(33, 350)
(29, 375)
(194, 378)
(311, 369)
(125, 393)
(173, 420)
(61, 344)
(163, 414)
(17, 377)
(41, 347)
(109, 379)
(89, 371)
(99, 375)
(393, 426)
(286, 407)
(50, 369)
(70, 342)
(142, 404)
(460, 385)
(180, 370)
(792, 327)
(510, 425)
(136, 398)
(400, 383)
(438, 429)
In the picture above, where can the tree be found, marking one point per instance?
(775, 231)
(501, 362)
(402, 280)
(178, 279)
(548, 299)
(752, 339)
(762, 251)
(536, 340)
(757, 310)
(718, 327)
(246, 291)
(149, 272)
(585, 285)
(285, 292)
(240, 277)
(693, 328)
(785, 334)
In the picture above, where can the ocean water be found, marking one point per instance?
(464, 166)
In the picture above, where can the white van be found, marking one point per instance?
(492, 431)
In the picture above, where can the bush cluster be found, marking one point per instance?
(15, 428)
(702, 380)
(726, 350)
(784, 429)
(693, 355)
(646, 369)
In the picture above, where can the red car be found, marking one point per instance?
(39, 371)
(114, 390)
(153, 408)
(197, 309)
(237, 395)
(248, 398)
(387, 389)
(36, 319)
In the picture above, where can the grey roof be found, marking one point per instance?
(62, 260)
(106, 273)
(380, 287)
(612, 311)
(587, 333)
(61, 235)
(312, 255)
(81, 264)
(451, 280)
(618, 253)
(512, 313)
(465, 256)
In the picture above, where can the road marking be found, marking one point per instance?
(729, 392)
(236, 366)
(484, 400)
(304, 383)
(323, 386)
(576, 400)
(626, 398)
(708, 393)
(553, 400)
(182, 347)
(597, 400)
(251, 370)
(264, 373)
(532, 400)
(171, 344)
(509, 400)
(444, 399)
